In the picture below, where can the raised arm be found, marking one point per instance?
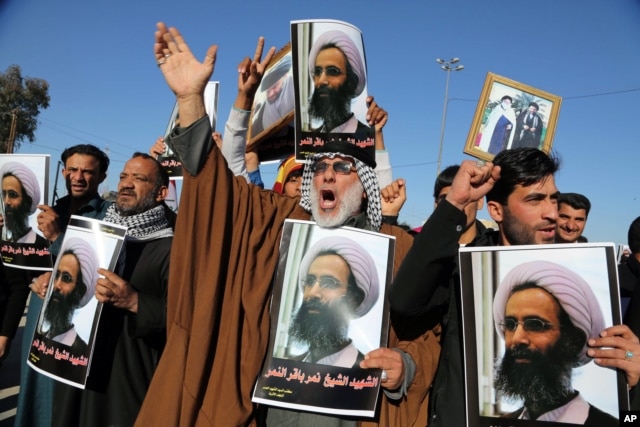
(377, 118)
(423, 280)
(234, 144)
(185, 75)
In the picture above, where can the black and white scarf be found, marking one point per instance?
(148, 225)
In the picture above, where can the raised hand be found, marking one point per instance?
(250, 72)
(472, 182)
(393, 197)
(185, 75)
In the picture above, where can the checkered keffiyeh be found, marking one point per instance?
(367, 177)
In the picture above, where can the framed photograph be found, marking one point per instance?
(274, 103)
(511, 115)
(328, 310)
(527, 312)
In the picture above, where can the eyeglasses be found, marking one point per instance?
(529, 325)
(326, 282)
(330, 71)
(342, 167)
(66, 277)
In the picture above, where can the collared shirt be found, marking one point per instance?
(344, 358)
(575, 411)
(66, 338)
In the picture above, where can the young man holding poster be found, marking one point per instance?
(522, 198)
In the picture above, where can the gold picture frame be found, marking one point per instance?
(511, 114)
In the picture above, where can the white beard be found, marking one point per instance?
(351, 201)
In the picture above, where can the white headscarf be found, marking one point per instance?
(572, 292)
(346, 44)
(28, 180)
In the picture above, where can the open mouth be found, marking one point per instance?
(327, 199)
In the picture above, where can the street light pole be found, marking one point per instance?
(446, 66)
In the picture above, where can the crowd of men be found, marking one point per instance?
(184, 332)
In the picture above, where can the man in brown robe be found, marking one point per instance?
(223, 263)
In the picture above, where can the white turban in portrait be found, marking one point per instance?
(88, 259)
(346, 44)
(28, 180)
(360, 262)
(572, 292)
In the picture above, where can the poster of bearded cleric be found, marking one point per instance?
(25, 186)
(528, 312)
(63, 342)
(330, 80)
(328, 310)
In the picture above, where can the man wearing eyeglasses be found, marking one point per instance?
(74, 284)
(85, 168)
(339, 282)
(224, 259)
(131, 333)
(545, 313)
(338, 73)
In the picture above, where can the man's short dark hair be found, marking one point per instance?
(162, 176)
(576, 201)
(89, 150)
(523, 166)
(633, 237)
(444, 179)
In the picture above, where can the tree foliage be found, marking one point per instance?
(24, 97)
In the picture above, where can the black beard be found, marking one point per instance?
(16, 221)
(325, 330)
(333, 109)
(148, 202)
(544, 382)
(59, 312)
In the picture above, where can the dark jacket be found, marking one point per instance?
(427, 287)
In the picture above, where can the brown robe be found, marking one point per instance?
(223, 260)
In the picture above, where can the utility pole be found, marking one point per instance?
(12, 130)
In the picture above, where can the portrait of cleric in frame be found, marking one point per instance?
(511, 115)
(21, 194)
(274, 102)
(331, 79)
(527, 346)
(72, 287)
(331, 302)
